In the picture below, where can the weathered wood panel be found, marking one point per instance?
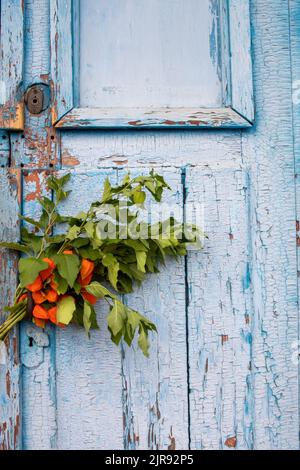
(89, 384)
(130, 118)
(61, 47)
(240, 58)
(37, 146)
(169, 88)
(4, 149)
(234, 407)
(10, 431)
(38, 353)
(90, 149)
(219, 312)
(155, 389)
(295, 62)
(11, 65)
(268, 151)
(150, 54)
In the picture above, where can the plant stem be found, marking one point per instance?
(11, 321)
(66, 242)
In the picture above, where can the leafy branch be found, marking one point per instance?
(67, 272)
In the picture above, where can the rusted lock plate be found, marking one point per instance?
(37, 98)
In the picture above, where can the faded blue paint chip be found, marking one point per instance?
(247, 278)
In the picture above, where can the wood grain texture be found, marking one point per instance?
(294, 16)
(244, 385)
(150, 54)
(155, 404)
(11, 65)
(240, 58)
(219, 312)
(4, 149)
(61, 58)
(268, 150)
(37, 146)
(162, 106)
(151, 118)
(89, 383)
(10, 432)
(90, 149)
(38, 353)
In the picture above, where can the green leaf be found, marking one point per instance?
(89, 229)
(126, 179)
(151, 187)
(124, 283)
(137, 245)
(139, 196)
(68, 267)
(98, 290)
(141, 258)
(112, 265)
(29, 268)
(56, 239)
(109, 259)
(65, 309)
(79, 242)
(81, 215)
(47, 204)
(61, 195)
(113, 274)
(15, 246)
(30, 221)
(73, 232)
(116, 318)
(64, 180)
(44, 219)
(61, 283)
(87, 312)
(58, 183)
(143, 341)
(88, 252)
(77, 287)
(32, 240)
(132, 271)
(106, 191)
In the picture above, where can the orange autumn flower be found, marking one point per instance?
(37, 284)
(48, 271)
(41, 296)
(68, 252)
(21, 298)
(89, 297)
(39, 322)
(41, 315)
(86, 272)
(40, 312)
(41, 293)
(84, 279)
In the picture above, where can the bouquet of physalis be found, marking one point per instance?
(71, 262)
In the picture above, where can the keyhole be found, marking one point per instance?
(30, 341)
(34, 100)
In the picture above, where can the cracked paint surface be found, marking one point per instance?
(9, 355)
(220, 374)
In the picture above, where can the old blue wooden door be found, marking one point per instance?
(171, 85)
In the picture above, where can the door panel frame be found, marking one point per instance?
(238, 107)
